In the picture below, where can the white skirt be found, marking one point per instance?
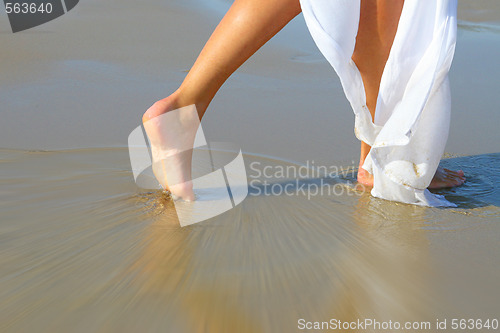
(412, 115)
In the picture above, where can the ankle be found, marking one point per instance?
(186, 96)
(176, 100)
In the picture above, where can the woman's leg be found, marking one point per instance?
(247, 26)
(377, 28)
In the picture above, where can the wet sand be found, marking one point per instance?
(82, 248)
(86, 250)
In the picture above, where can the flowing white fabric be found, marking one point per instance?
(412, 115)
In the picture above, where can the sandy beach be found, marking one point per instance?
(84, 249)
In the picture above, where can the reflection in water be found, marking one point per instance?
(85, 250)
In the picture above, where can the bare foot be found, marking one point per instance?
(443, 178)
(171, 131)
(364, 177)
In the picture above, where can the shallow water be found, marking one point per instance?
(82, 248)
